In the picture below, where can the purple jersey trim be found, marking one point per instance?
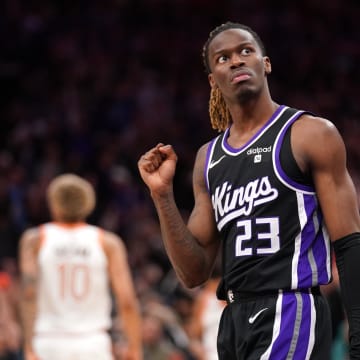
(308, 268)
(312, 268)
(322, 253)
(277, 164)
(305, 328)
(208, 156)
(230, 150)
(281, 345)
(296, 328)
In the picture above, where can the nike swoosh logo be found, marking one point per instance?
(254, 317)
(213, 163)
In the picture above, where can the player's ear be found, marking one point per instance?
(267, 65)
(212, 81)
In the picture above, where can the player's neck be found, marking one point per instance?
(252, 116)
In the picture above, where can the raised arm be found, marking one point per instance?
(29, 244)
(319, 148)
(125, 295)
(192, 247)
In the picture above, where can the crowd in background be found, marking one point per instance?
(88, 86)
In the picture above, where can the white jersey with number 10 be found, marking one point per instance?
(73, 294)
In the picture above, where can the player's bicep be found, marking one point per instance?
(333, 184)
(28, 262)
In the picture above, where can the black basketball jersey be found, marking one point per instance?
(272, 227)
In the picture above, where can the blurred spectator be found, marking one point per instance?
(163, 336)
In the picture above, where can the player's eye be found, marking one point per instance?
(246, 51)
(222, 59)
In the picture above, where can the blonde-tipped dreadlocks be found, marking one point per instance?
(219, 113)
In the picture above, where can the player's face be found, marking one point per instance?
(237, 64)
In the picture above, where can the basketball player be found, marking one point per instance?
(68, 268)
(273, 190)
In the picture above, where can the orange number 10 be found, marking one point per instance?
(74, 281)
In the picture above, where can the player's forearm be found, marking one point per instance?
(28, 313)
(347, 251)
(132, 329)
(187, 256)
(28, 307)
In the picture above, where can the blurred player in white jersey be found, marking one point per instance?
(69, 269)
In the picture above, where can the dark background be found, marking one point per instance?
(88, 86)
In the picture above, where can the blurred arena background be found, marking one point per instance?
(88, 86)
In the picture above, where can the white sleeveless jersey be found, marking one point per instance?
(73, 289)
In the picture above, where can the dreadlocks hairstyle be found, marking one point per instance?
(220, 117)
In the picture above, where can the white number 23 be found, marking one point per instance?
(270, 241)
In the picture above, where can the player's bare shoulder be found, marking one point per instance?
(315, 140)
(112, 242)
(199, 166)
(313, 128)
(30, 240)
